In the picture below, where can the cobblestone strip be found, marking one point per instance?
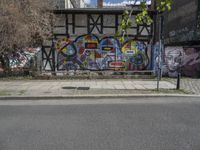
(188, 84)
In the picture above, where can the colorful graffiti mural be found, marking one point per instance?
(110, 54)
(155, 58)
(90, 53)
(22, 59)
(135, 57)
(185, 60)
(67, 55)
(87, 48)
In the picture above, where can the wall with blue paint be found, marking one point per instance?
(88, 52)
(183, 59)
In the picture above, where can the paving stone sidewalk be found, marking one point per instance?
(79, 87)
(188, 84)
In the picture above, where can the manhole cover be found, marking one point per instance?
(83, 88)
(69, 88)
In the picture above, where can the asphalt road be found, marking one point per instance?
(120, 124)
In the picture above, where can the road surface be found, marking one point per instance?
(103, 124)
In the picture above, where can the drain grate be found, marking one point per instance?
(83, 88)
(73, 88)
(69, 88)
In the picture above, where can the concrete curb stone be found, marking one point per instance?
(69, 97)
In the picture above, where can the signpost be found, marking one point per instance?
(159, 71)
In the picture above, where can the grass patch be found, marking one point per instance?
(21, 92)
(135, 91)
(4, 93)
(171, 91)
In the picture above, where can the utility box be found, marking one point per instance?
(182, 23)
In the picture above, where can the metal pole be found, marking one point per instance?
(162, 44)
(158, 69)
(160, 52)
(158, 74)
(179, 75)
(178, 81)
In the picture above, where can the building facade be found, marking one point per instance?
(85, 39)
(75, 4)
(57, 4)
(182, 39)
(67, 4)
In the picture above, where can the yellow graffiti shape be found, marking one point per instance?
(61, 43)
(130, 47)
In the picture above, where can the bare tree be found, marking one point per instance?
(23, 23)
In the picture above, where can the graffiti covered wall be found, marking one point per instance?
(88, 52)
(187, 60)
(21, 60)
(185, 13)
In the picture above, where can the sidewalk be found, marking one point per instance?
(188, 84)
(50, 88)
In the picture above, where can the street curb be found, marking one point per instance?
(69, 97)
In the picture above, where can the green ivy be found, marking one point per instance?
(142, 18)
(164, 5)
